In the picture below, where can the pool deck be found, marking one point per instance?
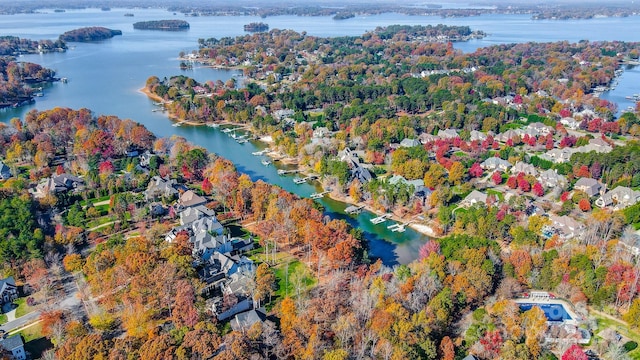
(575, 318)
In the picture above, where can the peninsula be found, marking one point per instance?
(171, 25)
(93, 33)
(256, 27)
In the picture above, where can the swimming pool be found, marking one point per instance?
(553, 312)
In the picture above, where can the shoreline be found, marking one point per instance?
(289, 160)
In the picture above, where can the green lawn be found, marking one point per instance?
(624, 330)
(95, 200)
(498, 194)
(297, 272)
(23, 308)
(35, 343)
(3, 318)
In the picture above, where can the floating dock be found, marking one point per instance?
(303, 180)
(353, 209)
(380, 219)
(266, 162)
(318, 195)
(284, 172)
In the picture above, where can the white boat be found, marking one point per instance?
(266, 162)
(226, 131)
(176, 124)
(213, 125)
(299, 180)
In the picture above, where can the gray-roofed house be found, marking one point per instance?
(619, 198)
(539, 128)
(567, 226)
(551, 179)
(15, 345)
(361, 173)
(192, 214)
(470, 357)
(570, 122)
(426, 138)
(321, 132)
(409, 143)
(245, 320)
(474, 197)
(5, 172)
(522, 167)
(448, 134)
(558, 155)
(189, 198)
(8, 290)
(495, 163)
(477, 135)
(159, 187)
(590, 186)
(507, 135)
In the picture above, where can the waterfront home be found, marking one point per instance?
(566, 226)
(590, 186)
(283, 114)
(190, 199)
(551, 179)
(448, 134)
(474, 197)
(495, 163)
(13, 347)
(619, 198)
(5, 172)
(407, 143)
(8, 291)
(145, 158)
(361, 173)
(160, 188)
(521, 167)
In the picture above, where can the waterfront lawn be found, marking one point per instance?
(299, 279)
(623, 329)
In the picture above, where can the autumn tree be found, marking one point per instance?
(456, 173)
(574, 353)
(265, 283)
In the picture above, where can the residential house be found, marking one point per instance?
(409, 143)
(496, 163)
(426, 138)
(349, 156)
(56, 184)
(470, 357)
(5, 172)
(190, 199)
(194, 213)
(619, 198)
(551, 179)
(206, 244)
(633, 246)
(567, 227)
(157, 210)
(8, 290)
(160, 188)
(474, 197)
(240, 307)
(539, 129)
(558, 156)
(521, 167)
(570, 122)
(321, 132)
(282, 114)
(590, 186)
(145, 158)
(477, 135)
(448, 134)
(361, 173)
(15, 346)
(507, 135)
(244, 321)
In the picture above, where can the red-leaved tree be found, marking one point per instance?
(574, 353)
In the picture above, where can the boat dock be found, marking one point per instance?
(318, 195)
(261, 152)
(381, 218)
(228, 130)
(285, 172)
(303, 180)
(353, 209)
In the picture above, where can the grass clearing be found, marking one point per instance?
(293, 278)
(604, 322)
(23, 308)
(3, 319)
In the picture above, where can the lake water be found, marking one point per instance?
(106, 76)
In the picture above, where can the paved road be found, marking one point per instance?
(68, 302)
